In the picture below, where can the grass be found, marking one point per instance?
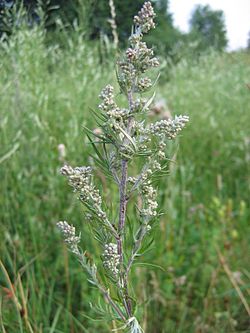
(46, 96)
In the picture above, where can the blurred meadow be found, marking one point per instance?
(48, 88)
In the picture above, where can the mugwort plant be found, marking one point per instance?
(123, 138)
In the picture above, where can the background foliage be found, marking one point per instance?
(208, 26)
(92, 16)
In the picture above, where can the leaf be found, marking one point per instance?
(91, 282)
(144, 153)
(130, 226)
(146, 247)
(95, 149)
(145, 264)
(90, 318)
(100, 115)
(148, 102)
(156, 80)
(9, 153)
(87, 130)
(103, 166)
(127, 136)
(55, 320)
(103, 163)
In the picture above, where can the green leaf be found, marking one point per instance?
(145, 264)
(148, 102)
(156, 80)
(101, 116)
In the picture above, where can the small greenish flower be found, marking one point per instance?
(69, 234)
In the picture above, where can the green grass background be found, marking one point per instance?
(46, 95)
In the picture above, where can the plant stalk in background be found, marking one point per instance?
(113, 25)
(124, 138)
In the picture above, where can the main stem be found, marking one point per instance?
(122, 216)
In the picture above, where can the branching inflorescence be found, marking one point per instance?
(124, 136)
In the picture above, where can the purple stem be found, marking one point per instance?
(122, 215)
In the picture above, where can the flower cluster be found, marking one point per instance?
(107, 95)
(169, 127)
(126, 73)
(161, 149)
(69, 234)
(138, 49)
(146, 190)
(144, 84)
(111, 258)
(139, 57)
(110, 108)
(145, 17)
(80, 179)
(149, 198)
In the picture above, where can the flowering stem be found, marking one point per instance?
(91, 270)
(123, 199)
(112, 303)
(140, 235)
(122, 214)
(128, 137)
